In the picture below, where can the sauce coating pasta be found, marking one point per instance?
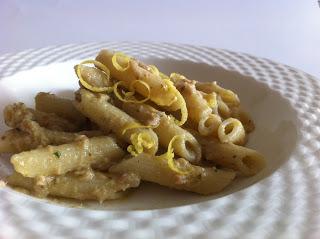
(129, 122)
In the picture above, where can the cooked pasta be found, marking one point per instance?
(212, 100)
(199, 110)
(144, 113)
(98, 186)
(31, 134)
(14, 114)
(129, 122)
(112, 119)
(91, 78)
(50, 103)
(244, 118)
(16, 141)
(227, 96)
(244, 160)
(164, 126)
(131, 70)
(231, 130)
(57, 160)
(223, 108)
(156, 169)
(160, 91)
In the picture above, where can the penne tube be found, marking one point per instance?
(244, 160)
(14, 114)
(53, 122)
(185, 146)
(93, 76)
(165, 128)
(212, 100)
(50, 103)
(208, 124)
(177, 132)
(155, 169)
(16, 141)
(244, 117)
(57, 160)
(223, 108)
(227, 96)
(110, 118)
(31, 135)
(144, 113)
(44, 137)
(198, 108)
(133, 70)
(99, 186)
(231, 130)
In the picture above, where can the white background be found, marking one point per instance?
(287, 31)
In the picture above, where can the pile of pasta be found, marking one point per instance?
(129, 123)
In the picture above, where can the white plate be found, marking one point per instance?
(280, 202)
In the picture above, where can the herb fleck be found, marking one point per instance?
(57, 154)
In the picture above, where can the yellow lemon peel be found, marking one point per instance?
(140, 141)
(180, 99)
(131, 91)
(184, 110)
(176, 76)
(85, 84)
(163, 76)
(211, 99)
(134, 125)
(153, 69)
(169, 156)
(116, 63)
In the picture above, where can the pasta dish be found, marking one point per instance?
(129, 122)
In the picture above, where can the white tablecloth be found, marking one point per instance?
(286, 31)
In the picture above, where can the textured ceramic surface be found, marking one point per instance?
(282, 202)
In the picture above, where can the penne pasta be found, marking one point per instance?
(198, 108)
(53, 122)
(223, 108)
(244, 117)
(57, 160)
(50, 103)
(231, 131)
(31, 135)
(14, 114)
(212, 101)
(44, 137)
(134, 70)
(93, 76)
(99, 186)
(246, 161)
(228, 96)
(16, 141)
(144, 113)
(155, 169)
(165, 128)
(182, 134)
(110, 118)
(185, 146)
